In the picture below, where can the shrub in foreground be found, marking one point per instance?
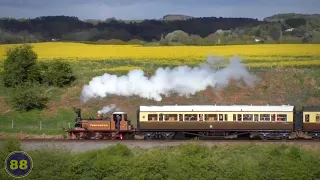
(245, 162)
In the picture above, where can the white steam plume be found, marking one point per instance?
(107, 109)
(182, 80)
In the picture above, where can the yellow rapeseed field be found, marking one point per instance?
(255, 55)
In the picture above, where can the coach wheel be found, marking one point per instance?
(263, 137)
(148, 136)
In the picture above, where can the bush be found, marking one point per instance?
(9, 145)
(20, 66)
(28, 96)
(186, 161)
(57, 73)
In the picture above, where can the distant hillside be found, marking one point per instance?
(175, 17)
(284, 16)
(171, 29)
(72, 29)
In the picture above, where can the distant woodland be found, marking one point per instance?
(280, 28)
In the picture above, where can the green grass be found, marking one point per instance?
(189, 161)
(30, 122)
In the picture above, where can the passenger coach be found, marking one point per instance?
(213, 120)
(311, 121)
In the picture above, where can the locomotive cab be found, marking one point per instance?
(120, 121)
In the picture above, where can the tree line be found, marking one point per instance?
(200, 31)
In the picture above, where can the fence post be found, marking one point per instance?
(40, 125)
(12, 124)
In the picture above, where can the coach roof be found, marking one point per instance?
(221, 108)
(311, 108)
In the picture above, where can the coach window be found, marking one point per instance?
(187, 117)
(194, 117)
(317, 118)
(247, 117)
(307, 118)
(152, 117)
(281, 117)
(160, 117)
(206, 117)
(200, 117)
(226, 117)
(213, 117)
(190, 117)
(234, 117)
(273, 117)
(256, 117)
(264, 117)
(220, 117)
(166, 117)
(180, 117)
(239, 117)
(173, 117)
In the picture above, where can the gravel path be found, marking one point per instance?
(82, 146)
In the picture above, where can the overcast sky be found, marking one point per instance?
(154, 9)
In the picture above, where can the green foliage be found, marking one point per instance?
(57, 73)
(189, 161)
(28, 96)
(51, 164)
(296, 22)
(24, 76)
(20, 66)
(9, 145)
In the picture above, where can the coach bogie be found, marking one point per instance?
(158, 135)
(275, 135)
(315, 135)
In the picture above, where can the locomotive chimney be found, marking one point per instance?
(78, 111)
(99, 115)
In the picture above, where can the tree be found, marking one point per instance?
(57, 73)
(28, 96)
(178, 36)
(20, 66)
(195, 40)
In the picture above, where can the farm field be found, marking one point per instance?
(264, 55)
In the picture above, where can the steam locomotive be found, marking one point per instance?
(203, 122)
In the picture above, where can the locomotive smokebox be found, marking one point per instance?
(99, 115)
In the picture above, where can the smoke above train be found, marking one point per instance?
(181, 80)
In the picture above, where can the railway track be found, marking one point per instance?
(166, 141)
